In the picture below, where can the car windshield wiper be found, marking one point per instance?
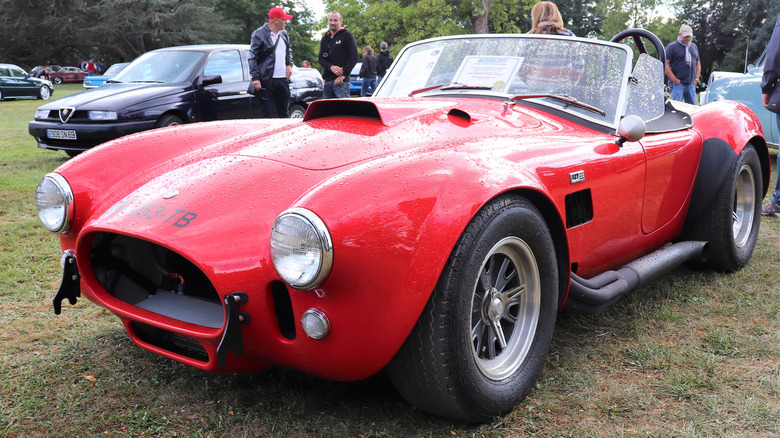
(450, 86)
(146, 82)
(563, 98)
(112, 81)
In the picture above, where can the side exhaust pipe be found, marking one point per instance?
(595, 294)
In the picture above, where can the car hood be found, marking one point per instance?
(116, 96)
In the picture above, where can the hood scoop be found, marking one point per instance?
(386, 111)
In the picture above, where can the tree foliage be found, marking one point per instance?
(68, 31)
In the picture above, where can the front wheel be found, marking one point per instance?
(297, 111)
(168, 120)
(44, 93)
(482, 340)
(732, 222)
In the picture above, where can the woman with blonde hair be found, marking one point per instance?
(545, 18)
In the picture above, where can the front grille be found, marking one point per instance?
(172, 342)
(156, 279)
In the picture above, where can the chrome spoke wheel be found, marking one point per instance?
(505, 308)
(744, 206)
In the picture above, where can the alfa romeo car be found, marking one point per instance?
(433, 230)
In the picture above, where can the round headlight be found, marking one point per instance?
(301, 248)
(54, 200)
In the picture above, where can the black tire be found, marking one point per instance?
(297, 111)
(732, 222)
(168, 120)
(58, 80)
(73, 153)
(446, 370)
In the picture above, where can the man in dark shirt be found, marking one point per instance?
(683, 66)
(385, 61)
(338, 56)
(768, 83)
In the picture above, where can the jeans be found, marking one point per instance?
(368, 87)
(684, 93)
(776, 195)
(275, 96)
(332, 90)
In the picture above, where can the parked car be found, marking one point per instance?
(163, 87)
(306, 86)
(433, 231)
(37, 69)
(744, 88)
(16, 83)
(355, 81)
(68, 74)
(98, 80)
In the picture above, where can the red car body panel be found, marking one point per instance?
(389, 254)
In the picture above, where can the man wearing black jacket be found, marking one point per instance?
(768, 83)
(385, 61)
(271, 64)
(338, 56)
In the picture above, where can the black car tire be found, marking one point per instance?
(297, 111)
(501, 274)
(168, 120)
(72, 153)
(732, 222)
(57, 80)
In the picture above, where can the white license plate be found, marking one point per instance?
(61, 134)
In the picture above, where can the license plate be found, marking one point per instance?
(61, 134)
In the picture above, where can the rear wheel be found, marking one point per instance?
(731, 225)
(168, 120)
(58, 80)
(482, 340)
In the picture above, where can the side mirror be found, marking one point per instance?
(631, 128)
(211, 80)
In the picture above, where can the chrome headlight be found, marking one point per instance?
(301, 248)
(102, 115)
(54, 200)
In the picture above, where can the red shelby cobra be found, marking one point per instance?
(434, 229)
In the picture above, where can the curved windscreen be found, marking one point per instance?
(162, 67)
(582, 76)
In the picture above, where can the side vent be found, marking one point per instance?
(284, 312)
(579, 208)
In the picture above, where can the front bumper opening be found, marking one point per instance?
(156, 279)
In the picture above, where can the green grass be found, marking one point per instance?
(693, 354)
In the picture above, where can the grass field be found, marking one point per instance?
(694, 354)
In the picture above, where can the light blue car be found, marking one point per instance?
(744, 88)
(98, 80)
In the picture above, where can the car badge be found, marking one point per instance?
(170, 194)
(577, 177)
(66, 113)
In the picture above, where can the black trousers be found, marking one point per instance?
(275, 99)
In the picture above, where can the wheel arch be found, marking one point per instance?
(183, 116)
(717, 158)
(558, 231)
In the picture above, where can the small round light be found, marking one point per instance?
(54, 201)
(301, 248)
(315, 323)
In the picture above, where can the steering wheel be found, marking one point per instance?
(637, 35)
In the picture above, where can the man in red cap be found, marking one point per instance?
(271, 64)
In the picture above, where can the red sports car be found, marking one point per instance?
(433, 230)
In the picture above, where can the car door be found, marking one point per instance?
(229, 99)
(20, 84)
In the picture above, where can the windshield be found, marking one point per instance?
(588, 74)
(163, 67)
